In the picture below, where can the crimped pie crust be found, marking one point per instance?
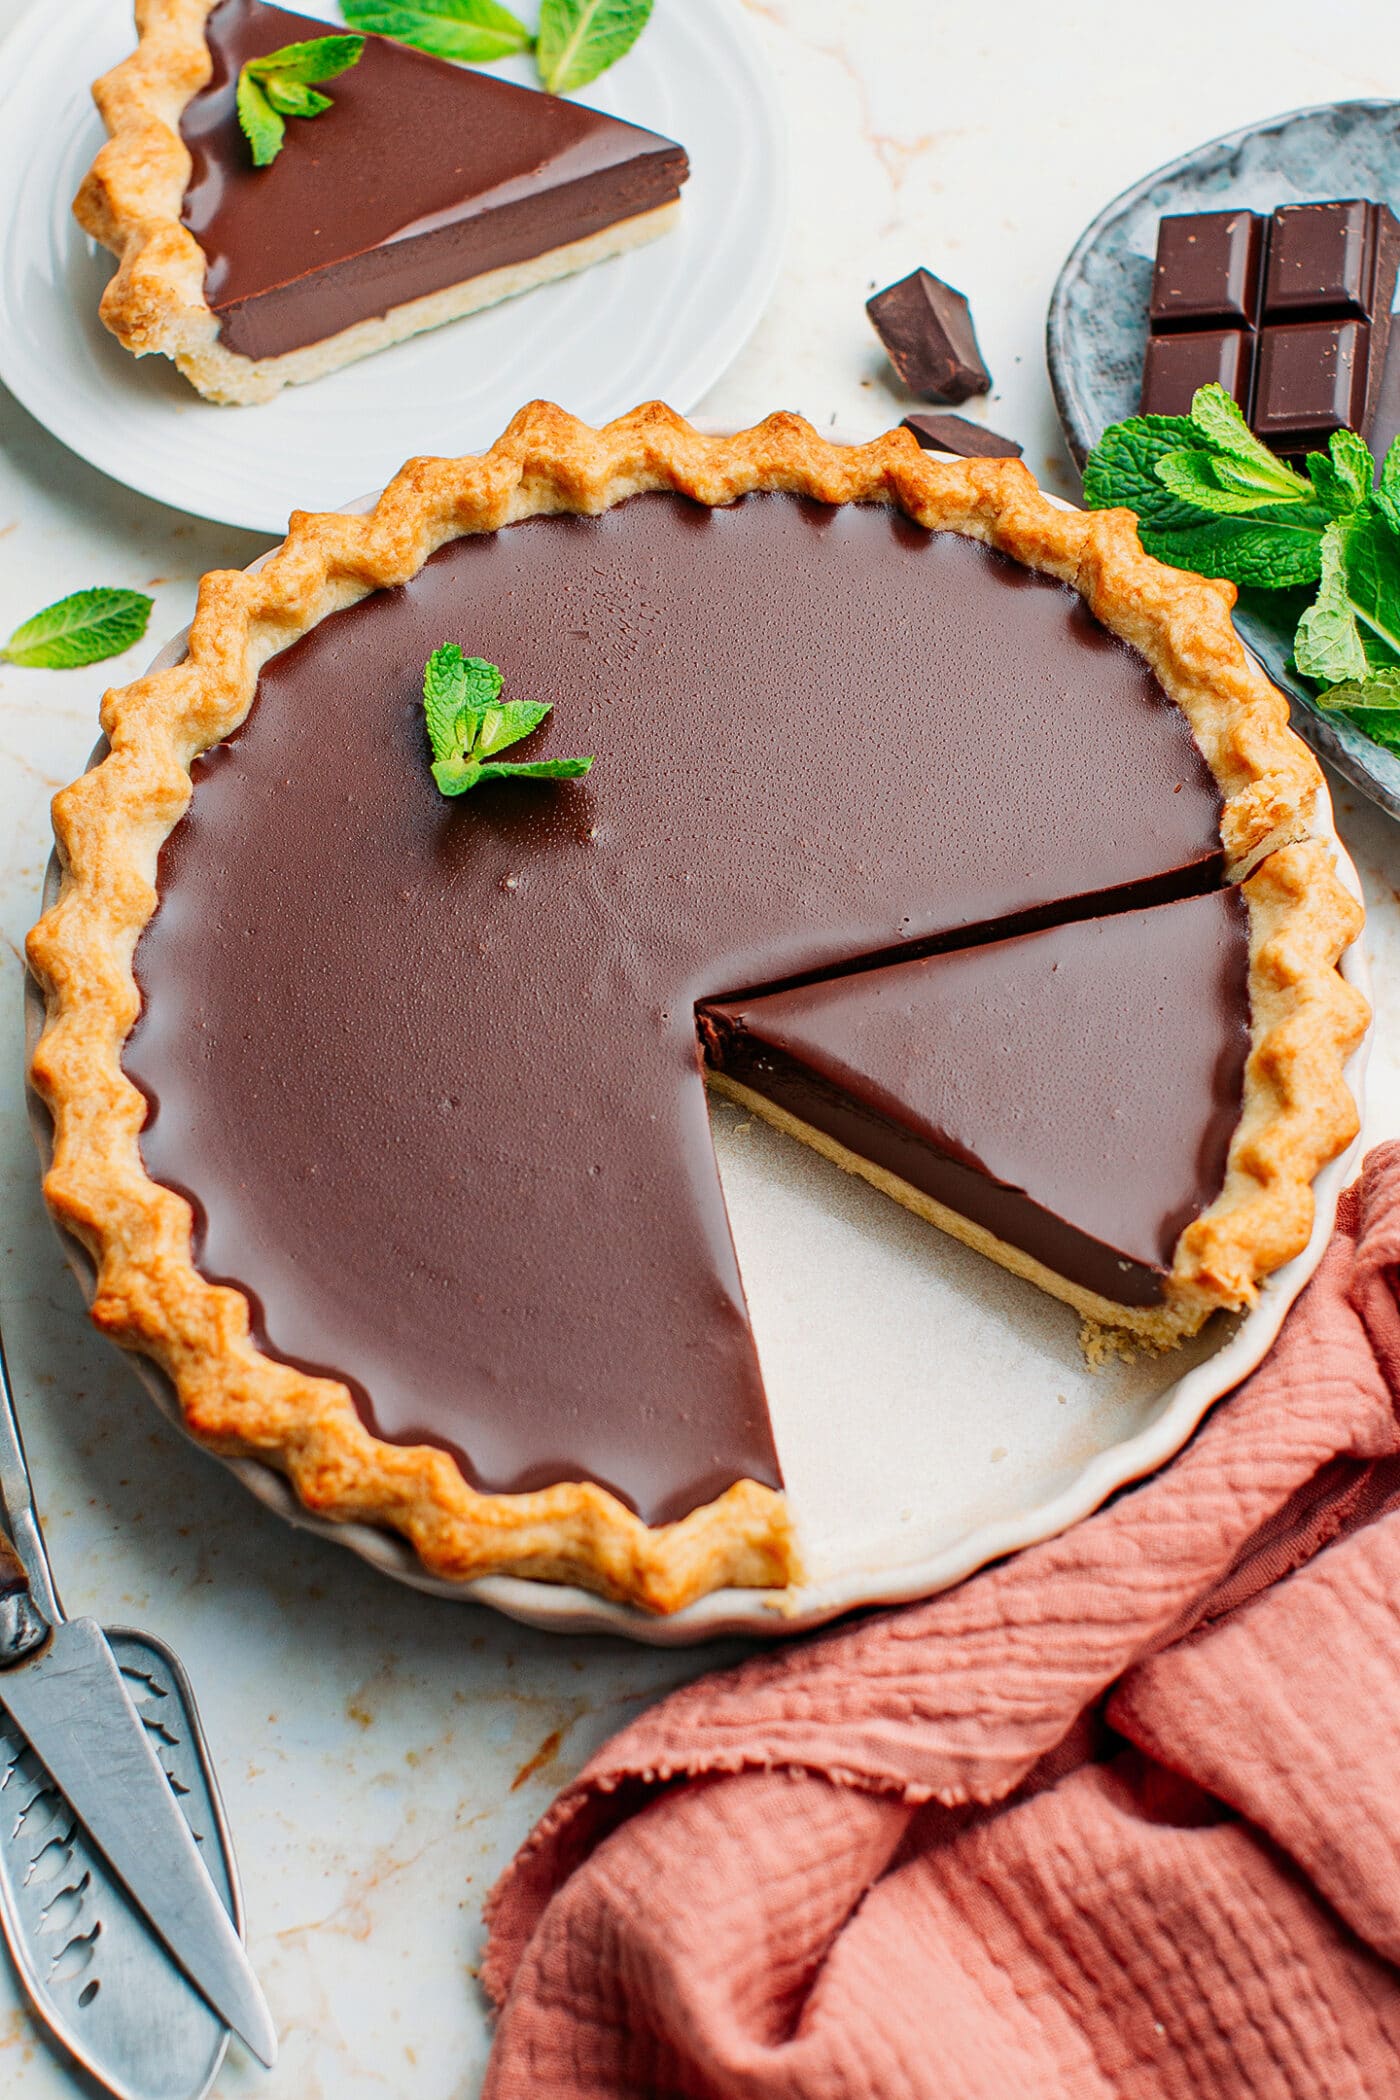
(131, 201)
(111, 823)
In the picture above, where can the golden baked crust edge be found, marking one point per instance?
(111, 823)
(132, 196)
(1297, 1112)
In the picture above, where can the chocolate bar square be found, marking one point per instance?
(1209, 271)
(1177, 364)
(1312, 380)
(926, 328)
(1322, 260)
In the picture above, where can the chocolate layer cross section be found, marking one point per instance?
(428, 1072)
(421, 176)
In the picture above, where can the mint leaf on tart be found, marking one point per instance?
(579, 39)
(1210, 497)
(85, 628)
(474, 30)
(468, 723)
(280, 85)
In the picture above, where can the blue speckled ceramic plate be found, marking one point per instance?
(1097, 330)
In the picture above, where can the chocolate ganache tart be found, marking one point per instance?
(424, 192)
(958, 836)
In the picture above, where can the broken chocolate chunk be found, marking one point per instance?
(1209, 271)
(927, 332)
(957, 434)
(1177, 364)
(1312, 382)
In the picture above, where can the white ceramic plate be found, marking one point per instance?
(664, 321)
(931, 1412)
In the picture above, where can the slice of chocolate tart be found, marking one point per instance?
(424, 192)
(385, 1112)
(1068, 1102)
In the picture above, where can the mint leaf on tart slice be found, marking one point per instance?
(84, 628)
(280, 85)
(476, 31)
(579, 39)
(467, 724)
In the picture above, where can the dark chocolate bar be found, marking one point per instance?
(927, 332)
(1293, 318)
(957, 434)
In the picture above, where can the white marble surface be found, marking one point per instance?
(383, 1754)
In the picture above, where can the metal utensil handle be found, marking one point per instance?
(26, 1563)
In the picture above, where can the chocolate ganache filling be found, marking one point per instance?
(428, 1071)
(420, 175)
(1073, 1091)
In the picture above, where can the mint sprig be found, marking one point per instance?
(577, 40)
(468, 723)
(1210, 497)
(475, 30)
(280, 85)
(84, 628)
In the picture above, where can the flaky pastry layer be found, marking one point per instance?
(132, 197)
(111, 823)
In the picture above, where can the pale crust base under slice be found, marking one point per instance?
(111, 823)
(132, 197)
(1297, 1114)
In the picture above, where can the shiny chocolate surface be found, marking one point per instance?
(422, 174)
(428, 1070)
(1074, 1090)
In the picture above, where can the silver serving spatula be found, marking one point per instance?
(114, 1854)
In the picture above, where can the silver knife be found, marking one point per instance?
(61, 1684)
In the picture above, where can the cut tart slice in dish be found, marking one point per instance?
(383, 1113)
(1089, 1104)
(424, 192)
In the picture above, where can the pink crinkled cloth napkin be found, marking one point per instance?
(1118, 1819)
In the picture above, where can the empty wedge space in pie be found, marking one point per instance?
(424, 192)
(979, 847)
